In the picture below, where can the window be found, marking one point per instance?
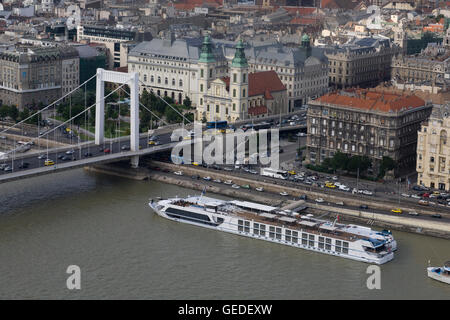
(244, 76)
(345, 247)
(327, 243)
(201, 101)
(234, 93)
(311, 240)
(234, 77)
(294, 236)
(321, 242)
(262, 230)
(201, 87)
(240, 225)
(234, 106)
(278, 233)
(287, 235)
(338, 246)
(271, 232)
(217, 108)
(180, 83)
(304, 239)
(201, 73)
(210, 73)
(243, 92)
(246, 226)
(256, 228)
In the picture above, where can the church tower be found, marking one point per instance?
(206, 71)
(239, 83)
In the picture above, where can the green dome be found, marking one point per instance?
(206, 54)
(239, 60)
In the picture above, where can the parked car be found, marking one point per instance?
(364, 206)
(436, 215)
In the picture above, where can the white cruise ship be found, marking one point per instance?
(268, 223)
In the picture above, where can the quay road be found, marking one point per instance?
(310, 202)
(445, 211)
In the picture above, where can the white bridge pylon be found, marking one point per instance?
(132, 80)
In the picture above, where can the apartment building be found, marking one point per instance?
(433, 150)
(365, 122)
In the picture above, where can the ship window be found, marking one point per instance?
(240, 225)
(321, 242)
(345, 247)
(278, 233)
(256, 228)
(338, 246)
(219, 220)
(304, 239)
(247, 226)
(311, 240)
(328, 243)
(187, 215)
(271, 232)
(287, 235)
(295, 236)
(262, 230)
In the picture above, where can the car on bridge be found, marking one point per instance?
(49, 162)
(396, 210)
(87, 154)
(107, 150)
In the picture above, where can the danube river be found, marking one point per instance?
(103, 225)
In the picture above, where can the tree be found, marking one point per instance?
(4, 111)
(13, 113)
(387, 163)
(187, 102)
(339, 161)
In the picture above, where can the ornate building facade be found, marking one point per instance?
(372, 123)
(362, 62)
(433, 150)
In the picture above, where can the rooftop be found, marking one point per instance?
(372, 99)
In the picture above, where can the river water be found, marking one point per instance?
(103, 225)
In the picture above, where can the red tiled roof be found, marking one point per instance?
(302, 11)
(261, 83)
(372, 100)
(257, 110)
(121, 69)
(304, 21)
(191, 4)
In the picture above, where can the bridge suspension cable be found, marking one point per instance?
(174, 109)
(69, 120)
(50, 105)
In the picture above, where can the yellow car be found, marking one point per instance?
(151, 142)
(195, 163)
(396, 210)
(330, 185)
(187, 138)
(48, 162)
(292, 172)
